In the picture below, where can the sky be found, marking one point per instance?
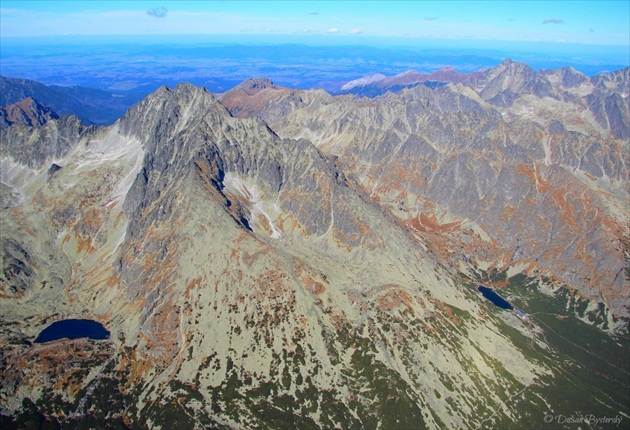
(574, 22)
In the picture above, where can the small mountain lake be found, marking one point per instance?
(499, 301)
(73, 329)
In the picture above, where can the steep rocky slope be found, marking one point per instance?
(519, 169)
(251, 279)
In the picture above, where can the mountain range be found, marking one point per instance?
(379, 84)
(271, 257)
(91, 105)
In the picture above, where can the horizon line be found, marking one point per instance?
(320, 36)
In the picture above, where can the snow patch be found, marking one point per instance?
(135, 153)
(367, 80)
(249, 190)
(517, 267)
(547, 148)
(15, 175)
(112, 146)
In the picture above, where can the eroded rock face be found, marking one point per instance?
(251, 279)
(34, 146)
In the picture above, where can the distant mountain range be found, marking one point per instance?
(270, 257)
(378, 84)
(92, 106)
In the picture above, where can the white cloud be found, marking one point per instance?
(333, 30)
(4, 10)
(553, 21)
(158, 12)
(355, 31)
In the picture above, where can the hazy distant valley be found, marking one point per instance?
(272, 257)
(144, 64)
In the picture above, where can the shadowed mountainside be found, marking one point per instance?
(92, 106)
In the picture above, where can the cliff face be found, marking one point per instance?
(253, 279)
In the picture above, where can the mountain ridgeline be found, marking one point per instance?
(92, 106)
(279, 258)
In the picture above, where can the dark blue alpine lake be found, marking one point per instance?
(73, 329)
(499, 301)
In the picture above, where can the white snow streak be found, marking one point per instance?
(248, 189)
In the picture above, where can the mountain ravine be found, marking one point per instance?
(274, 258)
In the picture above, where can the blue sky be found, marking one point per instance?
(580, 22)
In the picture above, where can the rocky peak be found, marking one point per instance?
(617, 81)
(509, 80)
(167, 112)
(256, 84)
(572, 78)
(28, 112)
(509, 73)
(253, 97)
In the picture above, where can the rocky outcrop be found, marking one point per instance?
(28, 112)
(35, 146)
